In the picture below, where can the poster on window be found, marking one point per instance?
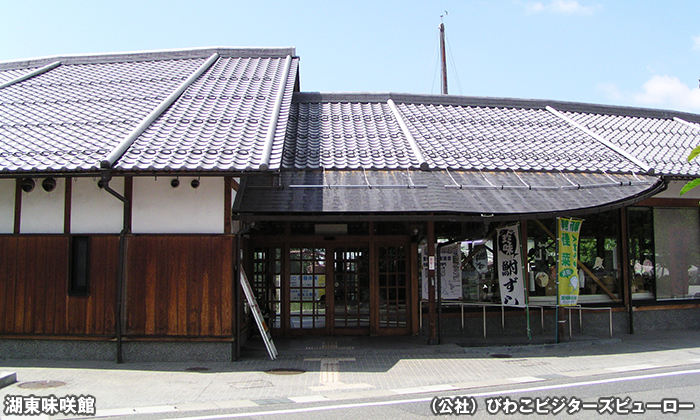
(480, 261)
(294, 285)
(320, 284)
(568, 234)
(510, 267)
(450, 272)
(307, 280)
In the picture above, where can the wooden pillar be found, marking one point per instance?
(68, 198)
(18, 206)
(227, 204)
(432, 318)
(626, 277)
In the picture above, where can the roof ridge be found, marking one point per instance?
(494, 102)
(150, 55)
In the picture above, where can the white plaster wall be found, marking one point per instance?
(674, 191)
(159, 208)
(94, 210)
(7, 205)
(42, 212)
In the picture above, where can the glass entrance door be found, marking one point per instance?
(307, 289)
(394, 289)
(346, 289)
(351, 290)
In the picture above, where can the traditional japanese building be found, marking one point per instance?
(134, 188)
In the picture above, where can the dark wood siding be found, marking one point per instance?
(179, 286)
(34, 291)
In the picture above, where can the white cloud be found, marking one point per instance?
(611, 91)
(567, 7)
(696, 42)
(668, 91)
(534, 7)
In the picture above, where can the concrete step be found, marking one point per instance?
(7, 378)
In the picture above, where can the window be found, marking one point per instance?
(664, 253)
(641, 251)
(267, 269)
(677, 243)
(79, 266)
(599, 262)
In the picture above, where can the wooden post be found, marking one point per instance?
(626, 275)
(432, 327)
(18, 206)
(443, 59)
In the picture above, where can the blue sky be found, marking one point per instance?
(632, 53)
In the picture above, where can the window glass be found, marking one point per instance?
(641, 251)
(80, 265)
(677, 246)
(267, 269)
(599, 259)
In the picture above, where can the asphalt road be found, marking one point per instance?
(657, 393)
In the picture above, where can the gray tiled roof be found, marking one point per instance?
(234, 110)
(490, 138)
(8, 75)
(338, 131)
(470, 194)
(69, 118)
(220, 122)
(663, 143)
(345, 135)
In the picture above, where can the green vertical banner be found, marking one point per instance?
(568, 234)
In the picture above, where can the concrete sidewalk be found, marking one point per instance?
(336, 368)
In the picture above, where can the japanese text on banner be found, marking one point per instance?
(510, 270)
(568, 233)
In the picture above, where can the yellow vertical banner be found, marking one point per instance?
(568, 233)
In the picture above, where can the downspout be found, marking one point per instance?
(106, 166)
(106, 176)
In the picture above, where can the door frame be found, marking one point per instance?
(372, 242)
(411, 250)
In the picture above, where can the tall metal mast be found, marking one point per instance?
(443, 58)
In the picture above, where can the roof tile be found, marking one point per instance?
(86, 109)
(663, 143)
(226, 109)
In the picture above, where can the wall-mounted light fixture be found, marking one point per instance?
(48, 184)
(27, 185)
(175, 183)
(195, 183)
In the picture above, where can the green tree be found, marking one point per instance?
(694, 183)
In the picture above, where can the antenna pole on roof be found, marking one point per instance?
(443, 59)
